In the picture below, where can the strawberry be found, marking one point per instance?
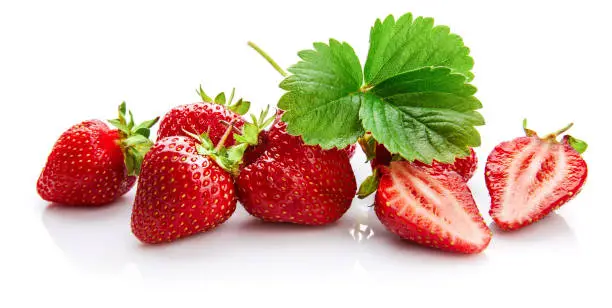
(350, 150)
(430, 206)
(381, 157)
(209, 116)
(529, 177)
(465, 166)
(297, 183)
(185, 187)
(92, 164)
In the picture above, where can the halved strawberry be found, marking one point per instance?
(433, 207)
(529, 177)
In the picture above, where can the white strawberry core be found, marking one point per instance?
(525, 195)
(432, 201)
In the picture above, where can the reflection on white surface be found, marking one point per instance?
(100, 241)
(551, 230)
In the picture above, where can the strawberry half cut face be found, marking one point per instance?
(529, 177)
(432, 207)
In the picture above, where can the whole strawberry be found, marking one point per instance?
(92, 164)
(209, 116)
(529, 177)
(185, 187)
(430, 206)
(296, 183)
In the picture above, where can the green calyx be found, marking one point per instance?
(240, 107)
(230, 158)
(250, 131)
(368, 146)
(579, 145)
(227, 158)
(134, 139)
(369, 185)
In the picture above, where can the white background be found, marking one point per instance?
(62, 62)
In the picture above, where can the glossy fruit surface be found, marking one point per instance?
(198, 118)
(86, 167)
(294, 182)
(180, 193)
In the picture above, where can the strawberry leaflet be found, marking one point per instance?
(415, 98)
(322, 101)
(412, 43)
(424, 114)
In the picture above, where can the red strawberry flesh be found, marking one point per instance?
(431, 207)
(529, 177)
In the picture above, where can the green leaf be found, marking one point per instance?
(322, 101)
(412, 43)
(326, 123)
(369, 185)
(220, 99)
(579, 145)
(241, 107)
(416, 99)
(424, 114)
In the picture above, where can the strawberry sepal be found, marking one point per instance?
(133, 139)
(240, 107)
(369, 185)
(579, 145)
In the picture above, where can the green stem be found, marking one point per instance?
(226, 134)
(559, 132)
(226, 123)
(268, 58)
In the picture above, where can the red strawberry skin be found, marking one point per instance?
(432, 207)
(296, 183)
(350, 150)
(199, 118)
(528, 178)
(465, 166)
(254, 152)
(382, 158)
(180, 193)
(86, 167)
